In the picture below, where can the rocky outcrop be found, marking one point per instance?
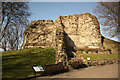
(78, 30)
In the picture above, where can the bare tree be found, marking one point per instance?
(108, 14)
(13, 23)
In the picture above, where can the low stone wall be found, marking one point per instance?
(86, 50)
(93, 52)
(80, 62)
(102, 62)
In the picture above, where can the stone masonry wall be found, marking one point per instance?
(78, 30)
(61, 55)
(40, 33)
(83, 29)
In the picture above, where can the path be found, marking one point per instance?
(106, 71)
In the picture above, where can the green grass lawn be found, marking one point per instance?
(99, 56)
(18, 63)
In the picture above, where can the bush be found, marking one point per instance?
(76, 63)
(80, 49)
(55, 68)
(108, 49)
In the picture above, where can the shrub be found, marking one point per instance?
(55, 68)
(108, 49)
(80, 49)
(76, 63)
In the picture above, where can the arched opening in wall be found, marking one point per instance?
(69, 45)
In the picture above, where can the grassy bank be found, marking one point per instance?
(99, 56)
(18, 63)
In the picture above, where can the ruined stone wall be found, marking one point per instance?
(112, 45)
(78, 30)
(83, 30)
(61, 55)
(40, 33)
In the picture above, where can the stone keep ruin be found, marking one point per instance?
(78, 30)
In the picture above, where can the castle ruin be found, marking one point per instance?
(78, 30)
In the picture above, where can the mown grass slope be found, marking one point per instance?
(99, 56)
(18, 63)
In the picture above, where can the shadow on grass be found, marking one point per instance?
(19, 65)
